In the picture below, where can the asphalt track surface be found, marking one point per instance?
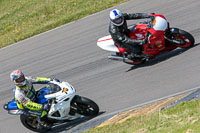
(70, 53)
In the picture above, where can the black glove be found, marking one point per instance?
(144, 41)
(54, 79)
(152, 17)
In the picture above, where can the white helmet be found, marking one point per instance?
(116, 17)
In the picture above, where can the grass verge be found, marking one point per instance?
(183, 118)
(20, 19)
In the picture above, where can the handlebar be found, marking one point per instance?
(150, 23)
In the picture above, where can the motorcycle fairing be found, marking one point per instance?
(156, 44)
(41, 95)
(160, 23)
(60, 109)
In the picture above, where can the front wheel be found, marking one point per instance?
(185, 38)
(85, 106)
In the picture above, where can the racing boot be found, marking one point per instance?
(134, 57)
(131, 56)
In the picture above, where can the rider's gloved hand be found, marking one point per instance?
(151, 16)
(144, 41)
(54, 79)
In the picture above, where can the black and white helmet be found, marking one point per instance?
(116, 17)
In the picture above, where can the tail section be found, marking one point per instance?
(107, 43)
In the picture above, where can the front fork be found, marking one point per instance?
(37, 119)
(169, 36)
(173, 40)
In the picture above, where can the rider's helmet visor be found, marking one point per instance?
(118, 20)
(20, 79)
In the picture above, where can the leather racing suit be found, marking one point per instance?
(26, 95)
(120, 34)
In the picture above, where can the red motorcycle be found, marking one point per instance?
(160, 38)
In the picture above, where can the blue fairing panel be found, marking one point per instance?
(12, 105)
(41, 93)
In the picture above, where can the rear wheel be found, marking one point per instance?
(85, 106)
(31, 123)
(185, 38)
(136, 62)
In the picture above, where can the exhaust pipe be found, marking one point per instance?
(120, 58)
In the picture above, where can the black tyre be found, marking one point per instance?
(27, 121)
(186, 39)
(136, 63)
(86, 106)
